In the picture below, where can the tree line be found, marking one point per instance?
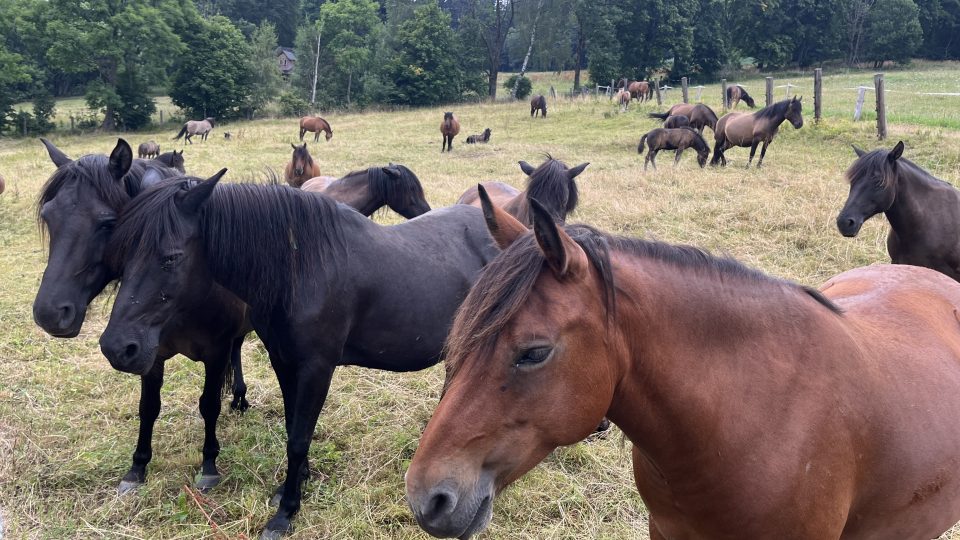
(218, 57)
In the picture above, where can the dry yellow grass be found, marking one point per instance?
(68, 421)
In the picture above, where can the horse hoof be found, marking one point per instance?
(206, 482)
(276, 528)
(272, 534)
(239, 404)
(128, 486)
(277, 497)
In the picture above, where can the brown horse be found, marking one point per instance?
(640, 90)
(735, 93)
(757, 408)
(173, 159)
(196, 127)
(316, 125)
(482, 138)
(302, 167)
(148, 150)
(552, 183)
(3, 184)
(371, 189)
(538, 105)
(699, 114)
(751, 129)
(676, 121)
(449, 128)
(923, 211)
(623, 99)
(673, 139)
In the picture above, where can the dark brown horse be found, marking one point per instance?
(751, 129)
(302, 167)
(735, 93)
(371, 189)
(196, 127)
(538, 105)
(923, 211)
(699, 114)
(481, 138)
(678, 139)
(757, 408)
(676, 121)
(174, 160)
(316, 125)
(552, 183)
(449, 128)
(148, 150)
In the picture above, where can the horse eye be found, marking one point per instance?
(170, 260)
(107, 224)
(533, 356)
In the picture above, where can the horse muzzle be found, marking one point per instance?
(849, 226)
(62, 320)
(445, 510)
(129, 354)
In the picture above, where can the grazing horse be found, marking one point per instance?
(449, 128)
(78, 207)
(923, 211)
(302, 167)
(735, 93)
(326, 287)
(676, 121)
(196, 127)
(316, 125)
(678, 139)
(640, 90)
(756, 408)
(538, 105)
(623, 100)
(148, 150)
(552, 183)
(699, 114)
(482, 138)
(372, 189)
(751, 129)
(173, 160)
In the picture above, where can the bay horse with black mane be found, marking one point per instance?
(79, 207)
(369, 190)
(736, 93)
(316, 125)
(326, 287)
(678, 139)
(699, 115)
(923, 211)
(756, 408)
(196, 127)
(538, 105)
(752, 129)
(552, 182)
(301, 167)
(449, 128)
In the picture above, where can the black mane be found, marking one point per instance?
(550, 186)
(397, 192)
(777, 110)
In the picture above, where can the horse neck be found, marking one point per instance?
(694, 346)
(915, 192)
(354, 191)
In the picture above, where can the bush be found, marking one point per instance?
(293, 105)
(523, 90)
(44, 107)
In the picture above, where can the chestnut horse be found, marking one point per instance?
(371, 189)
(316, 125)
(552, 183)
(302, 167)
(751, 129)
(148, 150)
(757, 408)
(449, 128)
(699, 114)
(538, 105)
(735, 93)
(678, 139)
(923, 211)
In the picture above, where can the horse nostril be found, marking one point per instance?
(850, 223)
(67, 313)
(440, 504)
(131, 350)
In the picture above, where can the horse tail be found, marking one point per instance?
(640, 146)
(182, 132)
(661, 116)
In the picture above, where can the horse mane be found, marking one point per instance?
(505, 284)
(700, 142)
(396, 192)
(778, 109)
(298, 235)
(550, 185)
(876, 160)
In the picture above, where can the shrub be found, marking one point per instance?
(293, 105)
(523, 90)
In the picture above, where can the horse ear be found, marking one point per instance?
(191, 200)
(120, 160)
(526, 167)
(391, 171)
(575, 172)
(895, 154)
(858, 151)
(564, 257)
(293, 146)
(56, 156)
(503, 227)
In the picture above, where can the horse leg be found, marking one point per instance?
(239, 402)
(302, 133)
(718, 152)
(149, 411)
(312, 382)
(753, 150)
(653, 158)
(763, 152)
(316, 136)
(214, 370)
(676, 160)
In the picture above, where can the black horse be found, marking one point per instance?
(923, 211)
(375, 188)
(326, 287)
(79, 206)
(174, 160)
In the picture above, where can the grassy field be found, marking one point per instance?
(68, 421)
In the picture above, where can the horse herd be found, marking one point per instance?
(757, 408)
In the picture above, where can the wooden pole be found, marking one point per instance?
(817, 94)
(769, 81)
(656, 90)
(723, 93)
(161, 116)
(881, 107)
(686, 91)
(858, 108)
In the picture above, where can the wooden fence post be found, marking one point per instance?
(881, 107)
(686, 91)
(817, 94)
(656, 90)
(858, 108)
(161, 117)
(769, 82)
(723, 93)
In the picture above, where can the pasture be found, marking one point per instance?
(68, 420)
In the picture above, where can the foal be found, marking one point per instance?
(538, 105)
(482, 138)
(673, 139)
